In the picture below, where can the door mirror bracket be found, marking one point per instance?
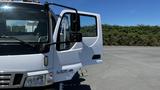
(76, 37)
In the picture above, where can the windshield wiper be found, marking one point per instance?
(21, 41)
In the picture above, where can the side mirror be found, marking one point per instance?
(75, 25)
(76, 37)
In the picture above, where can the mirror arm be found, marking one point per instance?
(48, 4)
(62, 6)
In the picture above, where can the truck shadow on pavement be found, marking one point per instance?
(73, 85)
(80, 87)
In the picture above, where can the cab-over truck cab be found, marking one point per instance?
(39, 48)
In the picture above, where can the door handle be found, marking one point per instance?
(98, 56)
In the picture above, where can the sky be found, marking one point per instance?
(119, 12)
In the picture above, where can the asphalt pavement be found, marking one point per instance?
(123, 68)
(126, 68)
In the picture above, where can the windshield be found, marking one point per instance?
(26, 22)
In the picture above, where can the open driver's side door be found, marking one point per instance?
(73, 55)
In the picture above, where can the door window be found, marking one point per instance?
(88, 26)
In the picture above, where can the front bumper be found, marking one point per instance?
(19, 79)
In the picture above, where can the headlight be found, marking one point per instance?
(39, 80)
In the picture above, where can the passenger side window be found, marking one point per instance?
(88, 26)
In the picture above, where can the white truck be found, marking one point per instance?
(39, 48)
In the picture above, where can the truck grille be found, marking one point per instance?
(5, 79)
(11, 80)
